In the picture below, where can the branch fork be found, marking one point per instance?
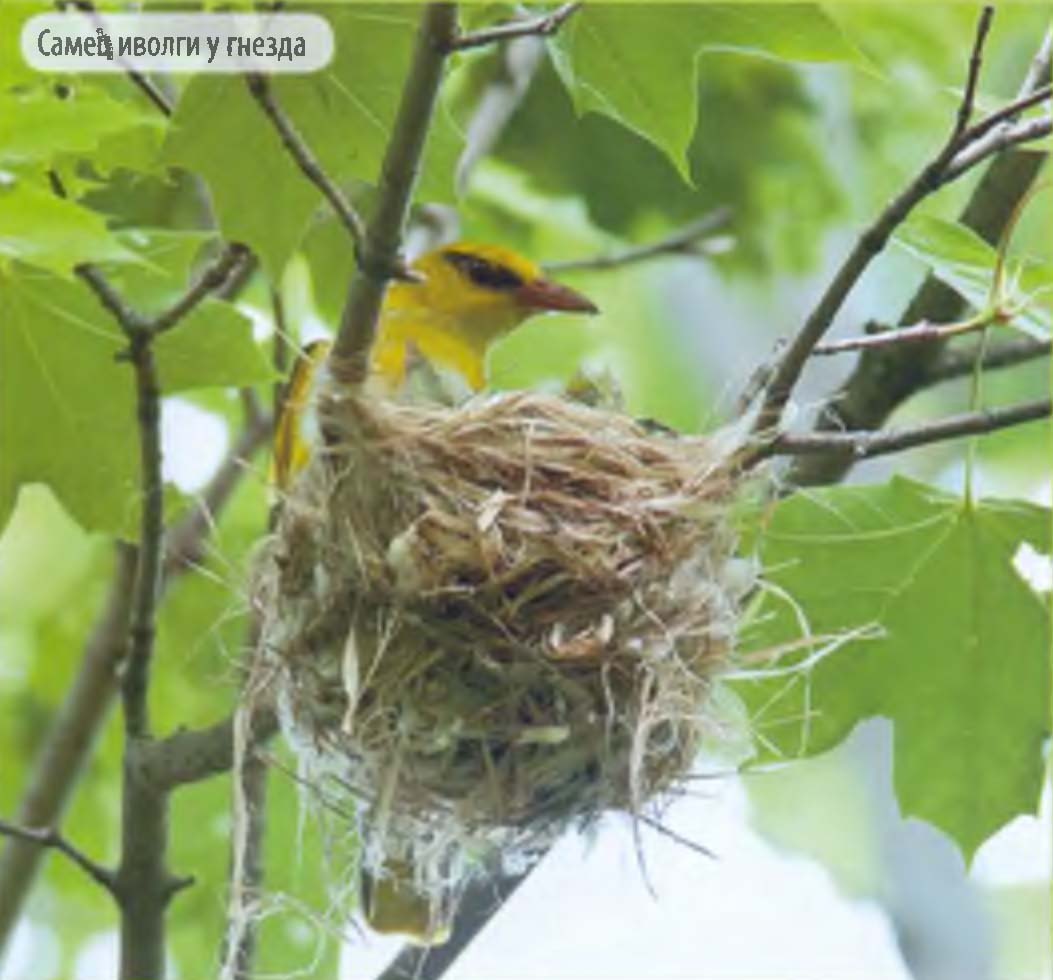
(765, 427)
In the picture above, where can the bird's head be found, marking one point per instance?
(488, 288)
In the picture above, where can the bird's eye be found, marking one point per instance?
(489, 275)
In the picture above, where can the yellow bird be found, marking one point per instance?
(468, 296)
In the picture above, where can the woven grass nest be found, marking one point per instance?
(491, 622)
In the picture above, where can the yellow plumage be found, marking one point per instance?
(468, 296)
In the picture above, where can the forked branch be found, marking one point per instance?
(50, 838)
(543, 26)
(932, 176)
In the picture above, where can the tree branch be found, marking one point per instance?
(883, 379)
(305, 159)
(72, 733)
(215, 276)
(1000, 139)
(867, 246)
(151, 538)
(141, 82)
(681, 242)
(143, 884)
(349, 359)
(1006, 113)
(953, 364)
(544, 26)
(866, 444)
(48, 837)
(193, 755)
(882, 336)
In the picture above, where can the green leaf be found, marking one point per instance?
(259, 196)
(13, 14)
(36, 125)
(43, 556)
(67, 408)
(344, 114)
(51, 232)
(958, 649)
(212, 347)
(638, 64)
(966, 263)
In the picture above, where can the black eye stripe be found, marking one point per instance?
(483, 273)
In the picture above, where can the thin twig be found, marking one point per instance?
(684, 241)
(250, 771)
(866, 444)
(141, 82)
(867, 246)
(305, 159)
(49, 837)
(544, 26)
(1000, 139)
(151, 91)
(953, 364)
(1006, 113)
(665, 831)
(378, 258)
(239, 278)
(215, 276)
(919, 333)
(128, 319)
(965, 108)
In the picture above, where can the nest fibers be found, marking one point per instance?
(493, 621)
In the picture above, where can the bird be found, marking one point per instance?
(460, 300)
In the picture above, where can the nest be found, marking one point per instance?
(491, 622)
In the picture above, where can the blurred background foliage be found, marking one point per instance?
(801, 139)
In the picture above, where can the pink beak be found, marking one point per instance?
(543, 294)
